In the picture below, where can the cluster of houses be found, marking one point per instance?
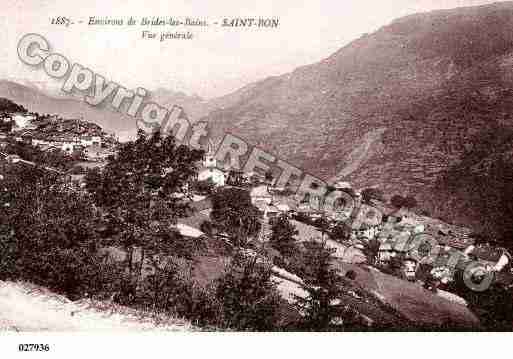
(268, 198)
(455, 247)
(72, 136)
(422, 249)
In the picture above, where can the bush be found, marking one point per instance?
(234, 214)
(283, 236)
(77, 170)
(206, 187)
(397, 201)
(248, 297)
(324, 286)
(8, 106)
(494, 307)
(55, 158)
(410, 202)
(369, 194)
(49, 235)
(341, 232)
(207, 227)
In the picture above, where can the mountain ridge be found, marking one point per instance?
(435, 82)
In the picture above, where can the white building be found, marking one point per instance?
(70, 146)
(23, 120)
(97, 153)
(210, 171)
(217, 176)
(343, 185)
(39, 142)
(271, 211)
(283, 208)
(91, 141)
(260, 194)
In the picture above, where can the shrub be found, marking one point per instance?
(206, 187)
(397, 201)
(234, 214)
(340, 232)
(49, 235)
(410, 202)
(324, 286)
(369, 194)
(283, 236)
(248, 297)
(77, 170)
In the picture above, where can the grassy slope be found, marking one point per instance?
(25, 307)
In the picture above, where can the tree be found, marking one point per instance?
(323, 285)
(269, 177)
(6, 126)
(283, 235)
(234, 214)
(341, 232)
(397, 201)
(370, 194)
(323, 224)
(206, 227)
(206, 187)
(371, 250)
(54, 158)
(162, 287)
(77, 170)
(9, 107)
(494, 307)
(140, 192)
(250, 300)
(49, 234)
(235, 178)
(410, 202)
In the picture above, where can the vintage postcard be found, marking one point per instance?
(174, 167)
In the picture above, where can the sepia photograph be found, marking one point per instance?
(183, 168)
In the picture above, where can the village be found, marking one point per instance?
(375, 234)
(387, 237)
(75, 137)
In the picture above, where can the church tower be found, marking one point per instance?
(209, 159)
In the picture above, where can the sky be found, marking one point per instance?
(217, 60)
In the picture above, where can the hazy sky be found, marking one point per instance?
(219, 60)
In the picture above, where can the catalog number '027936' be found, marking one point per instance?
(34, 347)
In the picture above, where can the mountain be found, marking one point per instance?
(478, 190)
(195, 106)
(430, 85)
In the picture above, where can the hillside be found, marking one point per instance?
(10, 107)
(26, 307)
(433, 84)
(195, 106)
